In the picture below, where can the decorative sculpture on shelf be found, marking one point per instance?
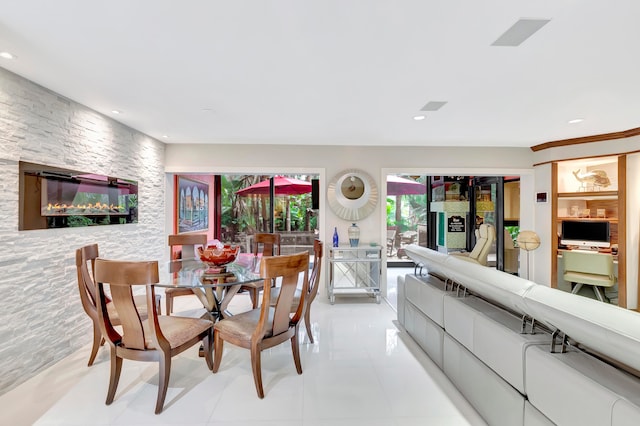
(597, 179)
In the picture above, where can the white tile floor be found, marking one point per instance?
(361, 371)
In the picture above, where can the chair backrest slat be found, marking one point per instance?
(314, 279)
(86, 256)
(122, 276)
(188, 243)
(267, 244)
(289, 269)
(133, 336)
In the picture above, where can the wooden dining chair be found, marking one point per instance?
(314, 283)
(156, 339)
(268, 245)
(187, 244)
(85, 268)
(268, 326)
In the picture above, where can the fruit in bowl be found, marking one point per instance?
(216, 256)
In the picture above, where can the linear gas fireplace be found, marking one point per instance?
(52, 197)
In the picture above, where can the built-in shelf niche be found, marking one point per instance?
(582, 197)
(591, 201)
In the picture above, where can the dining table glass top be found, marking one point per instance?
(194, 273)
(214, 286)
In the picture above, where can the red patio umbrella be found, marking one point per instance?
(283, 186)
(397, 185)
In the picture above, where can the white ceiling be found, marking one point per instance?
(348, 72)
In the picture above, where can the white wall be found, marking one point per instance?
(633, 229)
(41, 317)
(541, 257)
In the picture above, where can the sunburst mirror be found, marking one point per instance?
(352, 195)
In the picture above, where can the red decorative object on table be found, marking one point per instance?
(216, 257)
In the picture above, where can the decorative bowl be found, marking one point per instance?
(216, 256)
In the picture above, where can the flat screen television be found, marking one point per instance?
(585, 233)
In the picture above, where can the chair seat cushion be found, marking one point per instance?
(258, 285)
(242, 326)
(178, 291)
(177, 330)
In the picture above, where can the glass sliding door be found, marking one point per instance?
(407, 214)
(496, 201)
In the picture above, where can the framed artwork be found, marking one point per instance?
(192, 205)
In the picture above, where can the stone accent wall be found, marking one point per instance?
(41, 317)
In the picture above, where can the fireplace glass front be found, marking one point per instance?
(61, 198)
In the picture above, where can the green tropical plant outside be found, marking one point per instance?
(245, 215)
(413, 210)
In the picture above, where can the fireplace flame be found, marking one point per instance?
(84, 208)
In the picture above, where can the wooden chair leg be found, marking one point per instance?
(257, 370)
(217, 351)
(307, 324)
(169, 304)
(164, 371)
(116, 368)
(295, 348)
(253, 294)
(207, 342)
(97, 342)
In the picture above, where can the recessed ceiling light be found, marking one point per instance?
(115, 111)
(419, 117)
(576, 120)
(165, 136)
(7, 55)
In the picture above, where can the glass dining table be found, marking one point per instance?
(214, 287)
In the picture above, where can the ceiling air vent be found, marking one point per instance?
(433, 106)
(520, 31)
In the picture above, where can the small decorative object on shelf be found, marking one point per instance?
(585, 213)
(592, 180)
(336, 240)
(354, 235)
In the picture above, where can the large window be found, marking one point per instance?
(248, 206)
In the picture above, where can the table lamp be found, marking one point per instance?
(528, 241)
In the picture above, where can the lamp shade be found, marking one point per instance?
(528, 240)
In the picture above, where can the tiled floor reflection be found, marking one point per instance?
(360, 371)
